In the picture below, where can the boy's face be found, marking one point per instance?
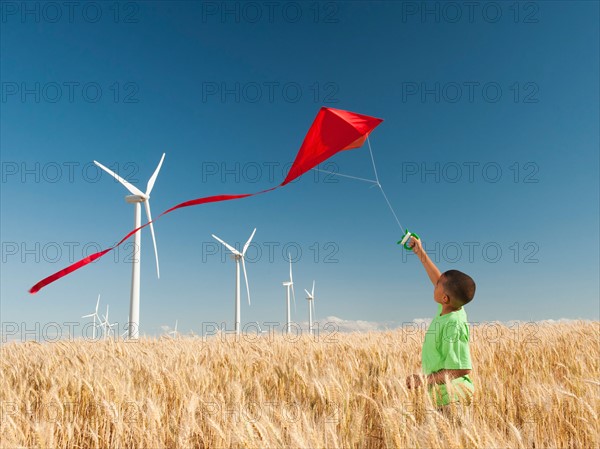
(439, 294)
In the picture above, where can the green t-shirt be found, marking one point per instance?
(446, 346)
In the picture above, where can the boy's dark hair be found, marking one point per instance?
(459, 286)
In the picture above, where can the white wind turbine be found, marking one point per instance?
(174, 331)
(260, 331)
(94, 315)
(237, 256)
(289, 285)
(106, 326)
(136, 198)
(310, 297)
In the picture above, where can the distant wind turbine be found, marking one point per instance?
(106, 326)
(174, 331)
(94, 315)
(289, 285)
(136, 198)
(311, 307)
(237, 256)
(260, 331)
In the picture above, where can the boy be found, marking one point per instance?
(445, 358)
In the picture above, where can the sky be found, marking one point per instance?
(489, 150)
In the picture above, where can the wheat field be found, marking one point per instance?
(537, 386)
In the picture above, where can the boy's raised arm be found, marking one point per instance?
(432, 271)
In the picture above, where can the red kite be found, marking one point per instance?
(332, 131)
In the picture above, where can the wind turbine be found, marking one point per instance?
(174, 332)
(237, 256)
(260, 331)
(106, 326)
(310, 297)
(136, 198)
(289, 285)
(94, 315)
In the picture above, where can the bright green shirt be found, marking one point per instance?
(446, 346)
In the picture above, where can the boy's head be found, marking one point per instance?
(454, 287)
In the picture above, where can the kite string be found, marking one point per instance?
(391, 208)
(373, 161)
(345, 176)
(381, 188)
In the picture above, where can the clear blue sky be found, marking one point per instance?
(508, 96)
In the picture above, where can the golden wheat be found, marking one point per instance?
(537, 386)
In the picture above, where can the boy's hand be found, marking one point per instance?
(415, 245)
(432, 271)
(414, 381)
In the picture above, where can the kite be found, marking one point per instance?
(332, 131)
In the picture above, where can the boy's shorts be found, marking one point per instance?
(461, 390)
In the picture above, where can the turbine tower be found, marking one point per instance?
(310, 297)
(237, 256)
(136, 198)
(289, 285)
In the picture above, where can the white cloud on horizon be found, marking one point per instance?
(358, 325)
(423, 323)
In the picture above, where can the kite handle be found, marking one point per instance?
(406, 237)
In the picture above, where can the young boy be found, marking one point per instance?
(445, 358)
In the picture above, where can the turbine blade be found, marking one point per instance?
(313, 290)
(307, 293)
(88, 316)
(97, 303)
(246, 277)
(152, 179)
(149, 216)
(229, 247)
(133, 189)
(290, 258)
(294, 296)
(248, 242)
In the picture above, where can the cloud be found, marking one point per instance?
(422, 322)
(343, 325)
